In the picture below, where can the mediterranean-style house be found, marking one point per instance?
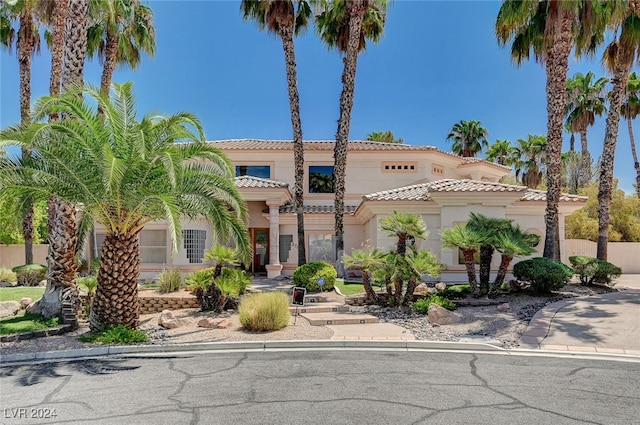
(441, 187)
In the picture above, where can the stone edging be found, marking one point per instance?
(58, 330)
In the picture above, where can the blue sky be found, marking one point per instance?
(438, 63)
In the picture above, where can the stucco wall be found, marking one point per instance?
(625, 255)
(13, 255)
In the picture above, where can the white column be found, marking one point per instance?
(274, 268)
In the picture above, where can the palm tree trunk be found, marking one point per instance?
(572, 142)
(585, 168)
(636, 164)
(356, 13)
(116, 299)
(605, 185)
(26, 45)
(486, 255)
(411, 287)
(57, 49)
(469, 263)
(110, 61)
(366, 282)
(557, 66)
(505, 260)
(75, 42)
(286, 34)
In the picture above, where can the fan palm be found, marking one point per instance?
(366, 260)
(533, 158)
(283, 18)
(419, 263)
(630, 110)
(550, 29)
(491, 227)
(347, 25)
(501, 152)
(119, 32)
(585, 101)
(404, 227)
(222, 256)
(469, 137)
(124, 173)
(469, 242)
(619, 57)
(511, 243)
(25, 14)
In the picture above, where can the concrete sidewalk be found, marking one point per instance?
(605, 323)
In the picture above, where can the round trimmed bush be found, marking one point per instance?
(307, 275)
(543, 274)
(30, 274)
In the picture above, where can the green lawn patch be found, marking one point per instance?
(19, 292)
(118, 334)
(351, 288)
(26, 323)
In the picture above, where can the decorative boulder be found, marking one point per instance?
(25, 302)
(168, 321)
(441, 286)
(438, 315)
(504, 308)
(212, 323)
(9, 308)
(421, 289)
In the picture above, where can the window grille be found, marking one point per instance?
(194, 243)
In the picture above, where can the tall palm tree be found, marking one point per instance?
(57, 19)
(551, 29)
(532, 154)
(630, 110)
(25, 14)
(501, 152)
(347, 25)
(383, 136)
(469, 137)
(619, 57)
(119, 31)
(124, 173)
(469, 242)
(585, 100)
(285, 19)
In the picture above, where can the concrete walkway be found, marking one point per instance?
(608, 323)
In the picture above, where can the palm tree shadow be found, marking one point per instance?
(32, 374)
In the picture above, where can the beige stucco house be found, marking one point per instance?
(381, 177)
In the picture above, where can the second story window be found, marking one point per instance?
(321, 179)
(262, 171)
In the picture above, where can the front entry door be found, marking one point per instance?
(260, 245)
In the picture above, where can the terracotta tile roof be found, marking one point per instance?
(256, 182)
(315, 209)
(322, 145)
(539, 195)
(421, 192)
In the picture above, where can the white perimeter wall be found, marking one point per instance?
(625, 255)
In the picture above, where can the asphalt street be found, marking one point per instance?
(323, 387)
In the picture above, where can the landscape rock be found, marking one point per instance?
(25, 302)
(438, 315)
(441, 286)
(504, 308)
(9, 308)
(421, 289)
(168, 321)
(214, 323)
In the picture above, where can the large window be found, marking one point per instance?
(322, 247)
(194, 242)
(321, 179)
(262, 171)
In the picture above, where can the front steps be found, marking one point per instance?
(319, 312)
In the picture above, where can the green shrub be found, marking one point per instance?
(422, 305)
(30, 274)
(169, 281)
(455, 292)
(88, 283)
(118, 334)
(307, 275)
(7, 275)
(542, 274)
(200, 280)
(592, 270)
(240, 277)
(264, 311)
